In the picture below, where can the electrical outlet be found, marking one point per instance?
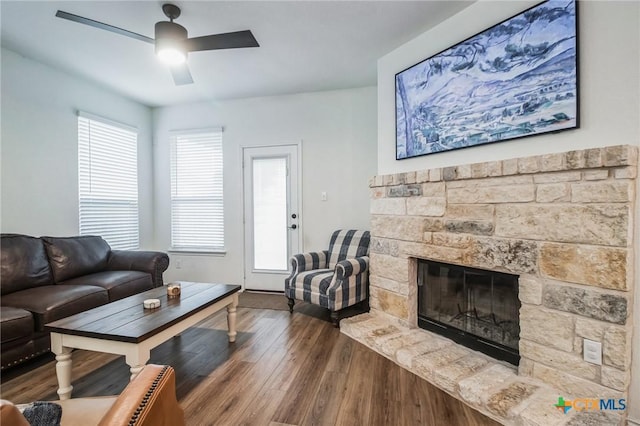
(592, 351)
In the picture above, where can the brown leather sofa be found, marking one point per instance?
(48, 278)
(149, 400)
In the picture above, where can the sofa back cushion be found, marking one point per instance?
(347, 244)
(72, 257)
(23, 263)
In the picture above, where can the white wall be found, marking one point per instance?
(609, 42)
(609, 56)
(39, 189)
(338, 134)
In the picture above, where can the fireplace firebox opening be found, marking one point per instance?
(473, 307)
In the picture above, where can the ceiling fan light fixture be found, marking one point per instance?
(171, 56)
(170, 43)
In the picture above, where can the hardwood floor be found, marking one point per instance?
(283, 370)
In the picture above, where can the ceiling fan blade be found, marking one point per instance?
(102, 26)
(181, 74)
(222, 41)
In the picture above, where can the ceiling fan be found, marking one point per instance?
(171, 40)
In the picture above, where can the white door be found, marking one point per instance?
(271, 215)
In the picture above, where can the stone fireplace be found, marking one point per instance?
(474, 307)
(563, 223)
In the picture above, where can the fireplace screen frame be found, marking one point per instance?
(470, 340)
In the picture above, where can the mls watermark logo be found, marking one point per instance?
(591, 404)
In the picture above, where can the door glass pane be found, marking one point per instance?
(270, 213)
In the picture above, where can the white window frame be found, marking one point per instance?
(197, 191)
(108, 181)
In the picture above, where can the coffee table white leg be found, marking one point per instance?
(136, 360)
(63, 366)
(231, 317)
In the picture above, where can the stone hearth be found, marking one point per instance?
(563, 223)
(491, 387)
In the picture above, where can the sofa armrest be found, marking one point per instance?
(149, 400)
(308, 261)
(354, 266)
(153, 262)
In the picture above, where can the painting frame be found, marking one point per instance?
(532, 90)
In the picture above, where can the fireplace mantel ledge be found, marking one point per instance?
(485, 384)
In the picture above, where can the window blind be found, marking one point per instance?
(108, 181)
(197, 208)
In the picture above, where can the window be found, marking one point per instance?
(108, 181)
(197, 214)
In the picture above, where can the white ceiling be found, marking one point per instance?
(304, 45)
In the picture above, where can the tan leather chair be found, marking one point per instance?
(149, 400)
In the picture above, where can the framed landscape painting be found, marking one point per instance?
(518, 78)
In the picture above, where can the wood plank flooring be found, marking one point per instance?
(282, 370)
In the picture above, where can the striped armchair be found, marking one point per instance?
(334, 278)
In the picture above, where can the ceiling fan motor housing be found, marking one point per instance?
(170, 35)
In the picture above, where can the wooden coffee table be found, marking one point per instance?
(124, 327)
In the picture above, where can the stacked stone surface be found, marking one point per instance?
(562, 222)
(489, 386)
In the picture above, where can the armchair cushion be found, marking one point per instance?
(85, 411)
(347, 244)
(311, 286)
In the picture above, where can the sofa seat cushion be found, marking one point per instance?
(53, 302)
(119, 284)
(15, 324)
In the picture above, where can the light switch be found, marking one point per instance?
(592, 351)
(323, 196)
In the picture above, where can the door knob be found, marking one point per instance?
(294, 226)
